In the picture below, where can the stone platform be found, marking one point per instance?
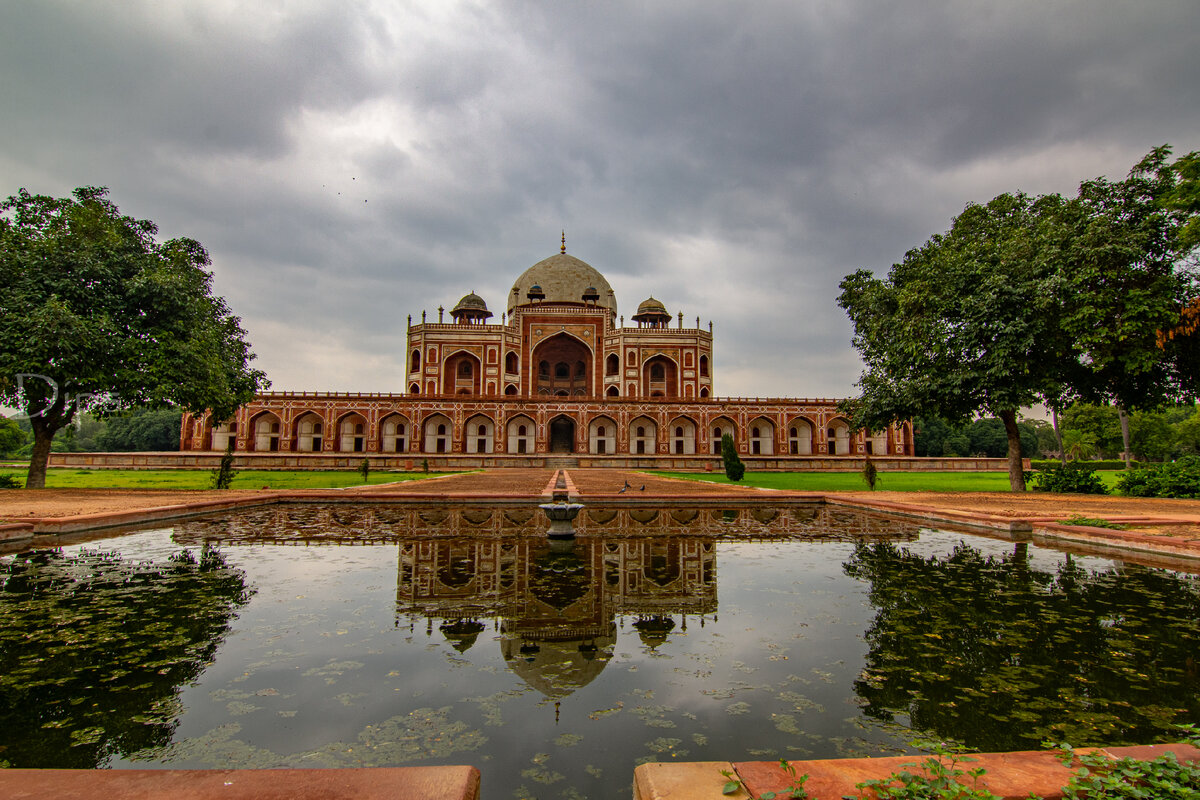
(392, 783)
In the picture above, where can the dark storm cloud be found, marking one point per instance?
(350, 164)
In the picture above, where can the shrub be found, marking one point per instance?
(9, 482)
(223, 475)
(1047, 463)
(870, 473)
(734, 468)
(364, 469)
(1077, 477)
(1179, 479)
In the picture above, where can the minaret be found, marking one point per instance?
(563, 248)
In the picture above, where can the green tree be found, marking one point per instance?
(1185, 197)
(1099, 422)
(12, 438)
(1152, 436)
(1079, 444)
(965, 324)
(734, 468)
(109, 319)
(1123, 285)
(142, 430)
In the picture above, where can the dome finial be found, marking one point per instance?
(563, 249)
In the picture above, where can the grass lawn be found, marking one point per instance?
(885, 481)
(73, 478)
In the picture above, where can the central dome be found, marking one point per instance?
(563, 279)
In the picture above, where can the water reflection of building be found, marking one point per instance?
(556, 612)
(358, 524)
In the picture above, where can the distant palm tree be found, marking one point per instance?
(1080, 445)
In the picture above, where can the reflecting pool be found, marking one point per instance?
(340, 636)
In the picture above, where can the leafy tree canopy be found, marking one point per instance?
(965, 324)
(1026, 300)
(110, 317)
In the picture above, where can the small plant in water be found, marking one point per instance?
(795, 791)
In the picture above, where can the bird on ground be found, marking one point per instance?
(643, 488)
(623, 490)
(627, 486)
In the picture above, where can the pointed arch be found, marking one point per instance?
(762, 437)
(522, 434)
(479, 434)
(660, 377)
(602, 435)
(800, 436)
(681, 432)
(351, 433)
(718, 427)
(837, 437)
(395, 433)
(643, 436)
(462, 372)
(309, 432)
(565, 366)
(264, 430)
(439, 434)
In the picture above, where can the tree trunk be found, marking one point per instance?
(1062, 451)
(1125, 454)
(45, 424)
(1016, 469)
(42, 437)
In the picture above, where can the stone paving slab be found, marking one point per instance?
(388, 783)
(1011, 776)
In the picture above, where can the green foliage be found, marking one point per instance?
(870, 474)
(12, 438)
(1042, 464)
(1122, 282)
(795, 791)
(1176, 479)
(9, 482)
(364, 469)
(1077, 477)
(1036, 299)
(111, 317)
(1092, 522)
(425, 465)
(223, 474)
(939, 778)
(1098, 776)
(981, 437)
(735, 470)
(142, 430)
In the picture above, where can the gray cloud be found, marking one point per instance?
(349, 164)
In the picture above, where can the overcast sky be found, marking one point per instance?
(348, 163)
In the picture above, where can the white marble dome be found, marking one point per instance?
(564, 279)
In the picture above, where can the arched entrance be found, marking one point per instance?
(562, 435)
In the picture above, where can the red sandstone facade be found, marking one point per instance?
(561, 375)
